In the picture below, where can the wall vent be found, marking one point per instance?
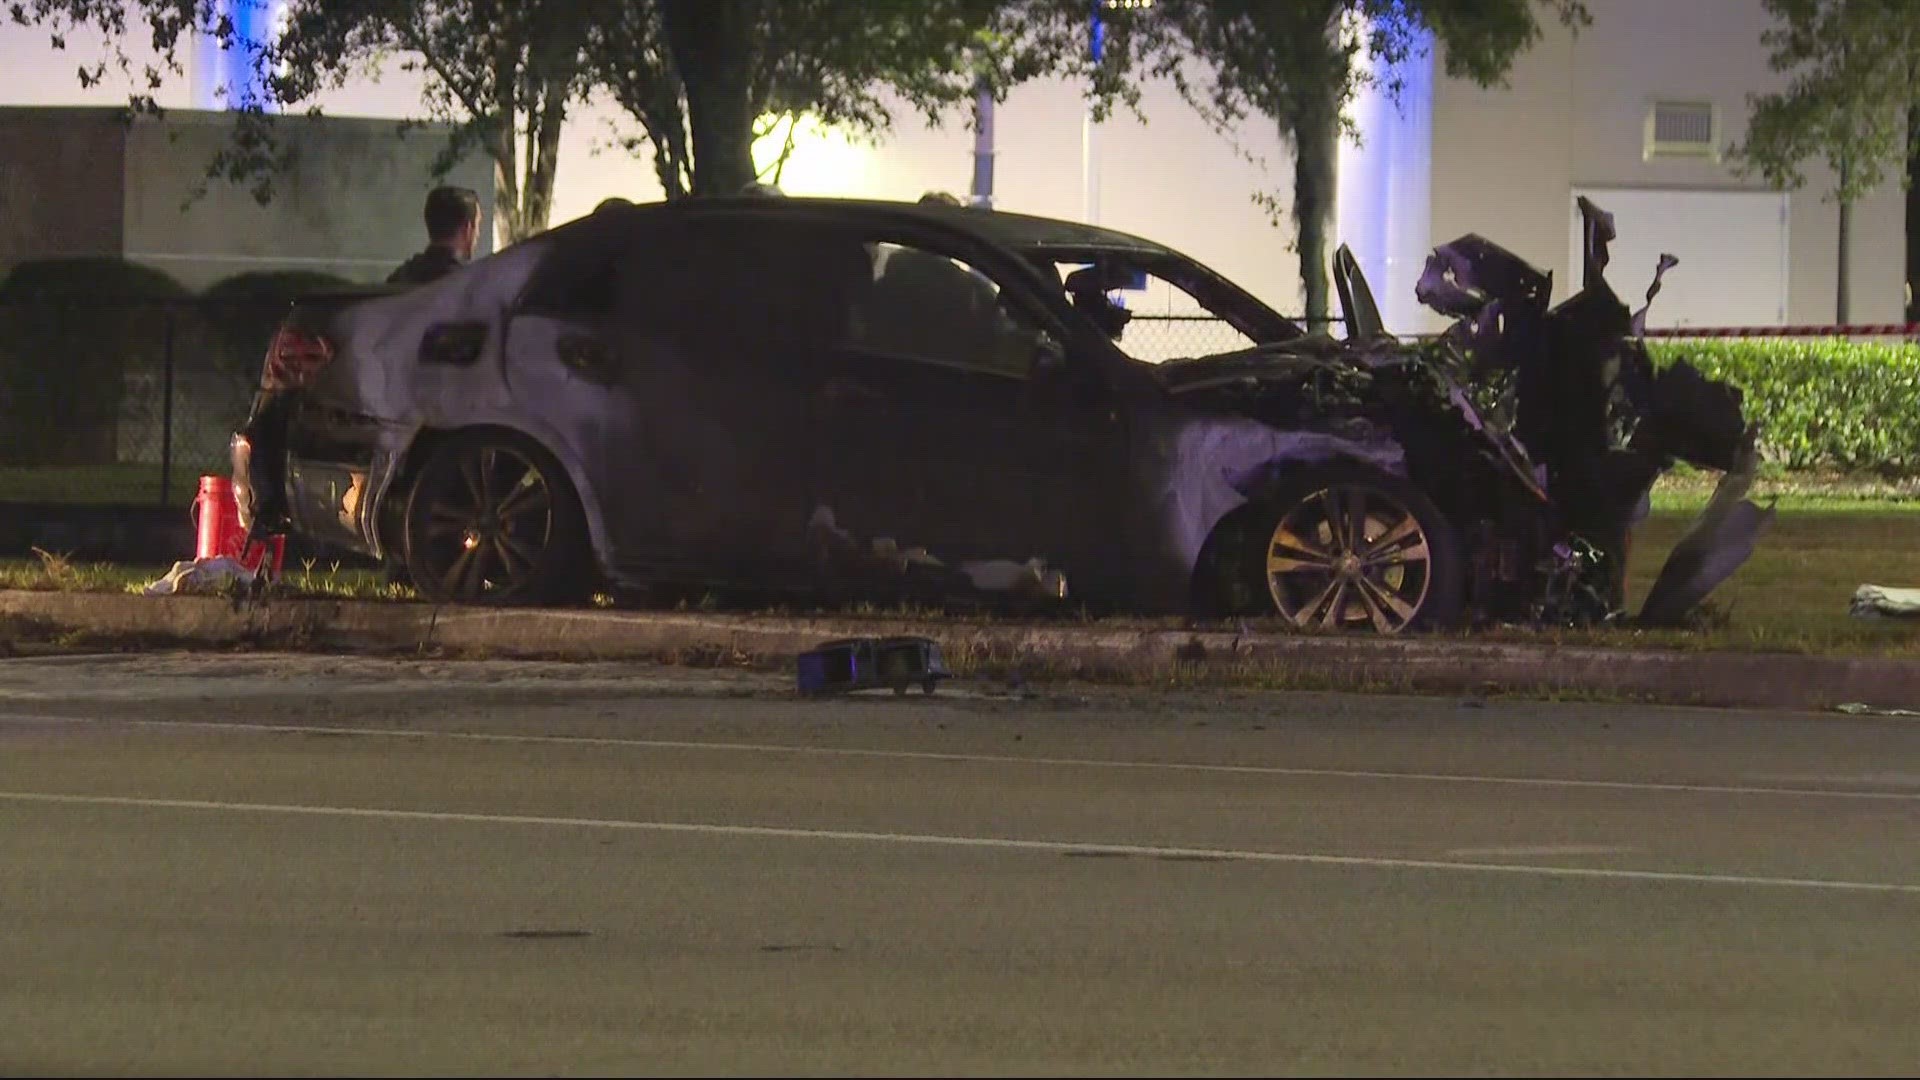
(1683, 129)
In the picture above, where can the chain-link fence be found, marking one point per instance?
(128, 402)
(1159, 338)
(122, 401)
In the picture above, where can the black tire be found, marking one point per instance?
(1406, 574)
(492, 518)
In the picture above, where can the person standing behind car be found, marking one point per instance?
(453, 227)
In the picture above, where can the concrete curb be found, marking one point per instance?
(1755, 680)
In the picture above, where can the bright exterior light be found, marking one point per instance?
(824, 161)
(1126, 5)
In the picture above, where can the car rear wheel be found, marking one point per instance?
(492, 519)
(1355, 550)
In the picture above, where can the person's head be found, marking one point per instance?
(1087, 291)
(761, 190)
(453, 219)
(940, 198)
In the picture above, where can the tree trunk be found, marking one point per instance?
(1842, 299)
(553, 69)
(544, 133)
(711, 42)
(507, 226)
(1315, 136)
(1913, 213)
(664, 119)
(670, 163)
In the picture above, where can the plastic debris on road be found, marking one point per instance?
(853, 664)
(1861, 708)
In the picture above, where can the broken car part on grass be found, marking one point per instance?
(853, 399)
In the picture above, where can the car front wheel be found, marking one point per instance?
(1354, 550)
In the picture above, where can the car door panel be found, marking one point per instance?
(688, 380)
(966, 464)
(718, 421)
(935, 434)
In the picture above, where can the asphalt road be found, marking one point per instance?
(258, 865)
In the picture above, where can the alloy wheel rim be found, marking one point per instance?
(1349, 557)
(486, 525)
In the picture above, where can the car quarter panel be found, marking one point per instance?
(1192, 471)
(365, 410)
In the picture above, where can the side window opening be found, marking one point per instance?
(927, 306)
(709, 278)
(745, 279)
(1153, 320)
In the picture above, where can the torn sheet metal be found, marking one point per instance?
(1587, 405)
(1719, 542)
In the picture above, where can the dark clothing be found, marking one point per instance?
(430, 265)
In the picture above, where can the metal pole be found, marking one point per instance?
(983, 143)
(1843, 279)
(166, 410)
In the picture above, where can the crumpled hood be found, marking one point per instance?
(1287, 361)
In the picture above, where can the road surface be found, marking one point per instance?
(276, 865)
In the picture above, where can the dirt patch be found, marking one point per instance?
(26, 636)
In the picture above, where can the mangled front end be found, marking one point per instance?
(1571, 394)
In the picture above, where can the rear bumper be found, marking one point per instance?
(283, 485)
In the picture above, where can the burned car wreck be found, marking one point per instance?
(839, 398)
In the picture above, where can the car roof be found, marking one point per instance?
(1022, 232)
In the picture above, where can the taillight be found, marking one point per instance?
(294, 358)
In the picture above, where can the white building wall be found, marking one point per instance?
(351, 205)
(1506, 162)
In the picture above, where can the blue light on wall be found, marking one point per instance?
(225, 77)
(1385, 203)
(1098, 25)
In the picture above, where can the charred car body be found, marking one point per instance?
(851, 397)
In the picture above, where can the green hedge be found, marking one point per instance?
(76, 337)
(1823, 404)
(241, 313)
(83, 344)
